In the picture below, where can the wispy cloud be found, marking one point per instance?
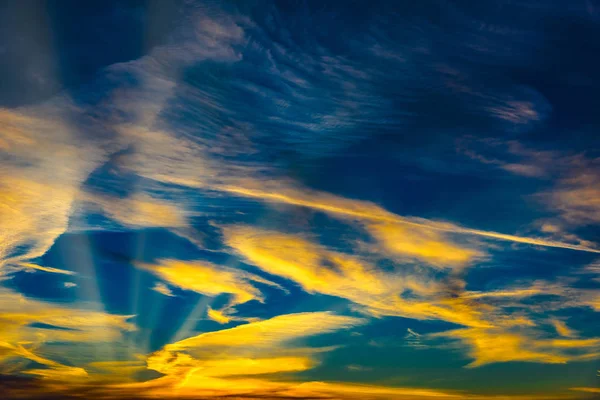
(169, 146)
(562, 329)
(210, 279)
(163, 289)
(501, 345)
(361, 210)
(318, 270)
(32, 266)
(30, 327)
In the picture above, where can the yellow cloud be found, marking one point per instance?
(586, 389)
(515, 293)
(204, 366)
(267, 334)
(366, 211)
(494, 345)
(31, 212)
(304, 262)
(32, 266)
(421, 243)
(562, 329)
(499, 344)
(489, 336)
(571, 343)
(20, 338)
(37, 190)
(54, 371)
(209, 279)
(594, 303)
(115, 368)
(318, 270)
(218, 316)
(194, 386)
(193, 370)
(350, 391)
(256, 348)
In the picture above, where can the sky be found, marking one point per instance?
(300, 199)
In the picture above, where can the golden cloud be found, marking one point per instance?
(318, 270)
(369, 212)
(268, 334)
(421, 243)
(562, 329)
(21, 338)
(493, 345)
(209, 279)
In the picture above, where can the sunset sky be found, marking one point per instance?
(251, 199)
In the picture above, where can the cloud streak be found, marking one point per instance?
(362, 210)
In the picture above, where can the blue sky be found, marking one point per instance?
(349, 200)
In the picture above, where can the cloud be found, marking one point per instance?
(69, 284)
(487, 346)
(194, 372)
(29, 329)
(586, 389)
(32, 266)
(218, 316)
(200, 364)
(358, 368)
(17, 313)
(406, 292)
(54, 371)
(32, 215)
(268, 334)
(195, 386)
(490, 336)
(412, 333)
(562, 329)
(365, 211)
(46, 157)
(360, 391)
(318, 270)
(423, 244)
(576, 195)
(49, 161)
(576, 178)
(140, 210)
(44, 162)
(516, 111)
(220, 363)
(163, 289)
(493, 346)
(115, 371)
(209, 279)
(517, 293)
